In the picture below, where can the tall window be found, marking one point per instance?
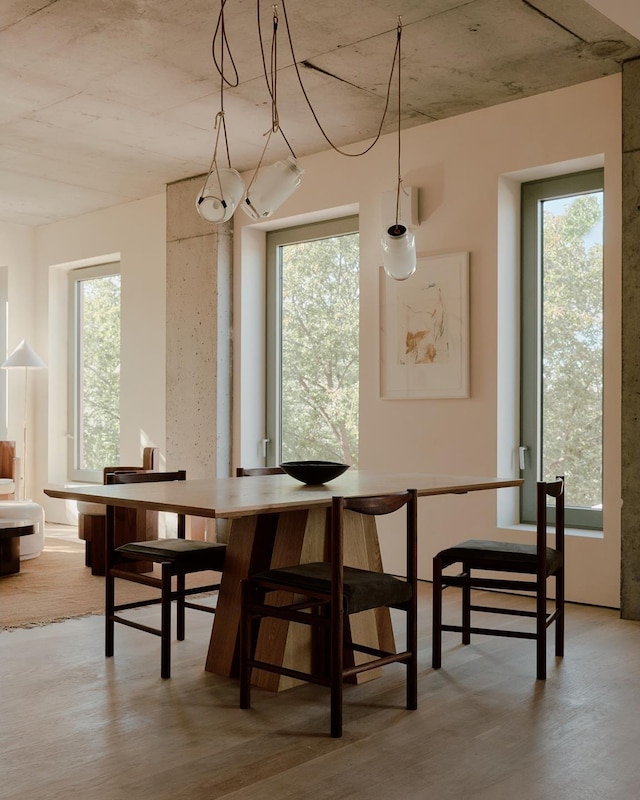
(313, 340)
(562, 341)
(94, 371)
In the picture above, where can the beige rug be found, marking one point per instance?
(57, 586)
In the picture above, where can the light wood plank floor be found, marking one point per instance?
(74, 725)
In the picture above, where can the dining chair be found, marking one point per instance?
(538, 561)
(176, 558)
(131, 523)
(323, 595)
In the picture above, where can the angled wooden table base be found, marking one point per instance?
(277, 521)
(275, 540)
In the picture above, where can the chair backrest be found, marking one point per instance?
(152, 477)
(150, 461)
(545, 489)
(376, 505)
(146, 477)
(241, 472)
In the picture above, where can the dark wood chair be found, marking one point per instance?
(176, 557)
(131, 524)
(323, 595)
(535, 560)
(242, 472)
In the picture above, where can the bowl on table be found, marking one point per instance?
(314, 473)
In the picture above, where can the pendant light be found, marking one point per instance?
(398, 243)
(271, 186)
(223, 187)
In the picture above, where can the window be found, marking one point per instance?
(312, 343)
(562, 342)
(94, 371)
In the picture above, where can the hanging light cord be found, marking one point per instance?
(270, 75)
(399, 52)
(396, 57)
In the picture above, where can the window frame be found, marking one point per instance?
(532, 195)
(274, 241)
(76, 277)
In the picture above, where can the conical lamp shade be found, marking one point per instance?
(399, 252)
(24, 356)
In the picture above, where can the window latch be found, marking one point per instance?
(522, 451)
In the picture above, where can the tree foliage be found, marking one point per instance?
(99, 414)
(572, 348)
(320, 325)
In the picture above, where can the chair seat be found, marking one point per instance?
(500, 556)
(178, 551)
(362, 589)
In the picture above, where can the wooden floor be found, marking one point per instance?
(74, 725)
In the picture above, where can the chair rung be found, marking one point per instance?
(490, 632)
(509, 611)
(137, 577)
(138, 625)
(200, 607)
(289, 613)
(390, 658)
(488, 583)
(290, 673)
(137, 604)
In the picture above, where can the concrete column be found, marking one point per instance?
(630, 522)
(199, 265)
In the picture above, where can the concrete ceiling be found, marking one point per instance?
(106, 101)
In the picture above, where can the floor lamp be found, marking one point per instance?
(26, 358)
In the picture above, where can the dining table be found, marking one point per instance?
(274, 521)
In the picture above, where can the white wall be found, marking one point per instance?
(466, 168)
(17, 254)
(136, 232)
(460, 166)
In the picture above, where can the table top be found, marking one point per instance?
(238, 497)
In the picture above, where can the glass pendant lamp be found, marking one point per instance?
(221, 194)
(271, 187)
(398, 243)
(399, 252)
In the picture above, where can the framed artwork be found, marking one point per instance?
(424, 330)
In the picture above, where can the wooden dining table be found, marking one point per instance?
(277, 521)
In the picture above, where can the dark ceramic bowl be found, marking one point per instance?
(314, 472)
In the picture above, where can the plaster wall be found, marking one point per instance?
(460, 166)
(135, 233)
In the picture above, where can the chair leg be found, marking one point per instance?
(109, 624)
(466, 605)
(436, 637)
(246, 653)
(412, 647)
(560, 611)
(180, 625)
(337, 661)
(541, 630)
(165, 623)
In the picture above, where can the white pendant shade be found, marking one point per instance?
(272, 186)
(24, 356)
(399, 252)
(220, 196)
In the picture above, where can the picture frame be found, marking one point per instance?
(424, 330)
